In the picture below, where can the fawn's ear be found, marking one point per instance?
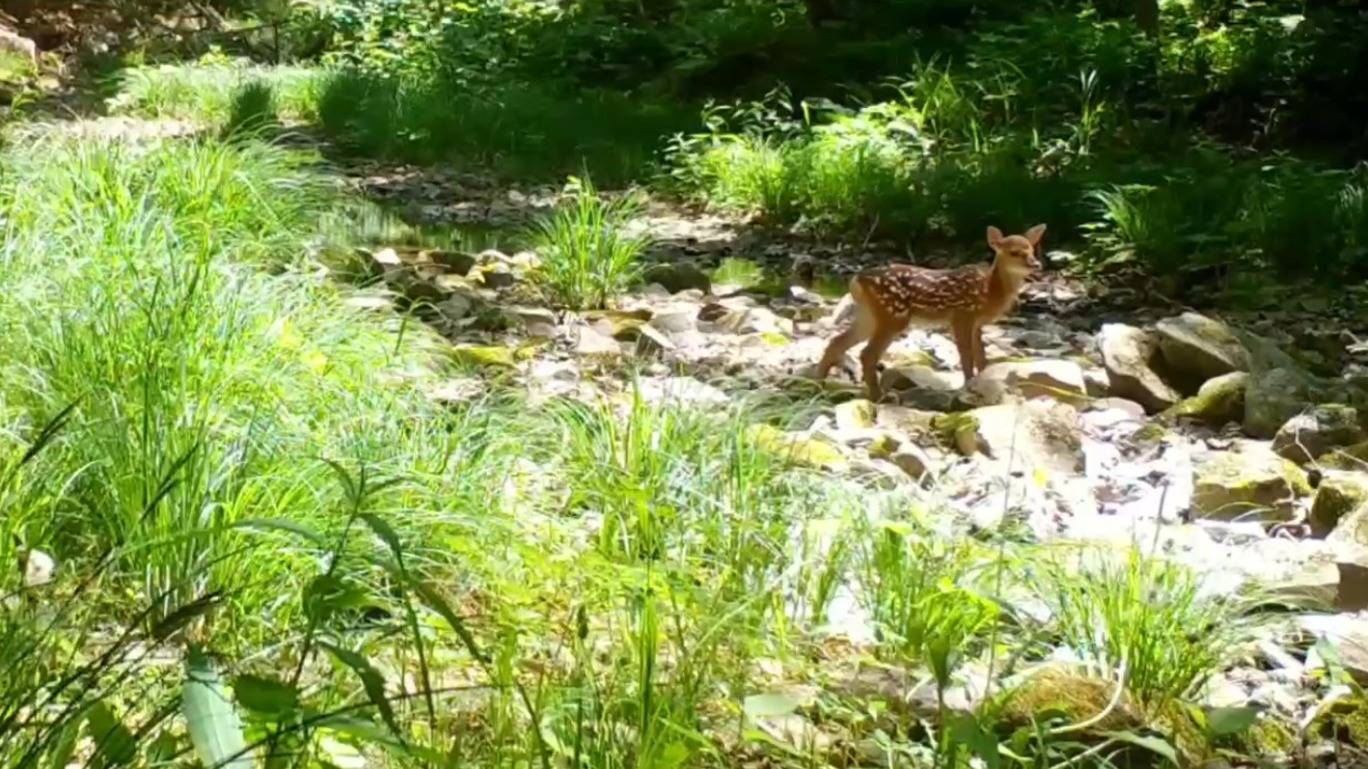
(1035, 234)
(994, 236)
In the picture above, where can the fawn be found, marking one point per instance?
(889, 299)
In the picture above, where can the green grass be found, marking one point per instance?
(1143, 616)
(236, 472)
(210, 93)
(587, 255)
(517, 130)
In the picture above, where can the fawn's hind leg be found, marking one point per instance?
(840, 344)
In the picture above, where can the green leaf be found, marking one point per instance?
(65, 745)
(210, 717)
(1153, 743)
(1233, 720)
(267, 696)
(368, 733)
(114, 743)
(371, 679)
(385, 532)
(186, 614)
(770, 705)
(435, 602)
(280, 524)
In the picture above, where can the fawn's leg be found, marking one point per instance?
(869, 358)
(980, 354)
(963, 328)
(859, 331)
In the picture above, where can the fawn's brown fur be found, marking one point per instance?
(889, 299)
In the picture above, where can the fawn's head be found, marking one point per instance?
(1016, 253)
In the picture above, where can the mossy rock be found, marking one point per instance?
(1353, 457)
(1243, 486)
(1339, 494)
(805, 452)
(1219, 401)
(957, 430)
(1072, 696)
(484, 356)
(882, 446)
(1150, 434)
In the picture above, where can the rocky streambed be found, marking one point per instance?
(1195, 439)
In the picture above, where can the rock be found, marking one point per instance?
(1352, 594)
(1196, 348)
(1129, 355)
(1272, 397)
(455, 307)
(1118, 409)
(676, 321)
(593, 343)
(385, 259)
(1316, 432)
(14, 43)
(912, 460)
(620, 326)
(1349, 634)
(528, 317)
(374, 302)
(651, 341)
(1058, 379)
(456, 391)
(1096, 382)
(882, 445)
(800, 450)
(406, 281)
(1250, 484)
(682, 389)
(1218, 401)
(1353, 457)
(485, 356)
(878, 472)
(456, 261)
(858, 414)
(37, 568)
(755, 320)
(920, 378)
(1339, 494)
(1038, 434)
(493, 275)
(678, 277)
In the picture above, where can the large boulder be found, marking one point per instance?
(1039, 434)
(1197, 348)
(1218, 401)
(1130, 355)
(1252, 483)
(1061, 380)
(1318, 431)
(1274, 396)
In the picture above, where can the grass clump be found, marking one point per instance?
(253, 111)
(588, 254)
(212, 92)
(1144, 617)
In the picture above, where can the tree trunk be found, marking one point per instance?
(1147, 16)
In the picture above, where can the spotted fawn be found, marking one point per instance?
(889, 299)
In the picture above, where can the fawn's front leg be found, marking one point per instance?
(966, 338)
(836, 349)
(869, 359)
(980, 354)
